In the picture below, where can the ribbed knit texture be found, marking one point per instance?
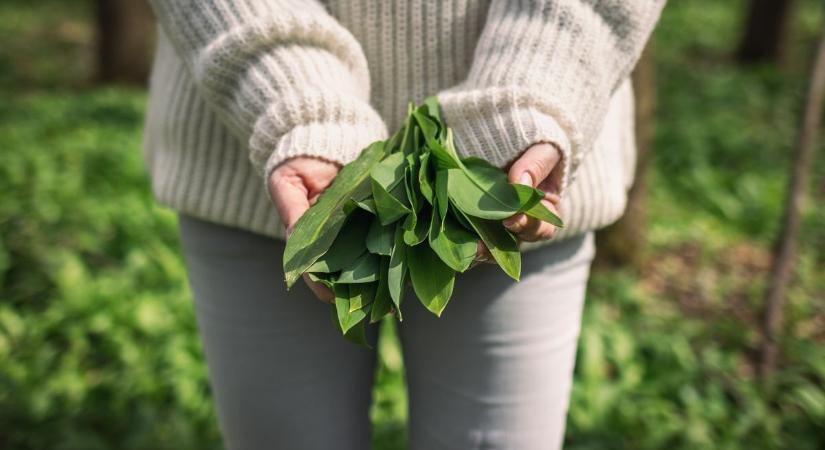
(239, 86)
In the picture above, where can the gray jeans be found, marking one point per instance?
(493, 373)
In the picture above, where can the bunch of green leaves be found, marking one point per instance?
(407, 209)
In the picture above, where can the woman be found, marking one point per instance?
(299, 88)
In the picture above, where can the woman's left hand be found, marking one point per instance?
(536, 167)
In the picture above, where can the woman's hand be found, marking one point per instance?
(535, 167)
(294, 186)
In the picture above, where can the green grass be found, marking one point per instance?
(98, 347)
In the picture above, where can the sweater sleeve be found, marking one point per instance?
(283, 75)
(544, 71)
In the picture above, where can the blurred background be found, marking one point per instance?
(703, 327)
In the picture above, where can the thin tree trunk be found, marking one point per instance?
(765, 31)
(623, 243)
(125, 40)
(785, 250)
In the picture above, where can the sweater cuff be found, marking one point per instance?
(340, 143)
(499, 128)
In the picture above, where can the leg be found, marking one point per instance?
(281, 376)
(495, 371)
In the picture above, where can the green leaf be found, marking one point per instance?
(358, 333)
(396, 142)
(539, 211)
(388, 206)
(316, 230)
(411, 184)
(501, 243)
(382, 305)
(531, 205)
(346, 319)
(416, 226)
(379, 238)
(363, 270)
(424, 178)
(433, 108)
(529, 198)
(410, 130)
(459, 217)
(432, 280)
(397, 271)
(453, 243)
(367, 204)
(445, 157)
(361, 295)
(327, 279)
(389, 172)
(348, 245)
(442, 193)
(489, 198)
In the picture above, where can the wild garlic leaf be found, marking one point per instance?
(396, 142)
(327, 279)
(367, 204)
(433, 108)
(527, 195)
(380, 238)
(387, 205)
(348, 245)
(346, 319)
(488, 199)
(432, 280)
(411, 186)
(382, 305)
(441, 193)
(358, 333)
(529, 198)
(502, 245)
(389, 172)
(362, 270)
(316, 230)
(424, 177)
(397, 271)
(539, 211)
(533, 207)
(361, 295)
(416, 232)
(453, 243)
(410, 130)
(443, 157)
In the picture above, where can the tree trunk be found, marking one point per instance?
(125, 41)
(785, 250)
(765, 32)
(623, 243)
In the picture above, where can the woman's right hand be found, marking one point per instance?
(294, 186)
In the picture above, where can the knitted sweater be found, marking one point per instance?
(239, 86)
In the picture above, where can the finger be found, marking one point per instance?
(536, 230)
(530, 230)
(483, 255)
(517, 223)
(322, 292)
(536, 164)
(322, 173)
(290, 201)
(539, 231)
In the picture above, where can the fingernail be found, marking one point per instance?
(526, 179)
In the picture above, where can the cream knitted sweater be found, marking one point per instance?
(238, 86)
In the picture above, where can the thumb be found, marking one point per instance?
(291, 202)
(534, 165)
